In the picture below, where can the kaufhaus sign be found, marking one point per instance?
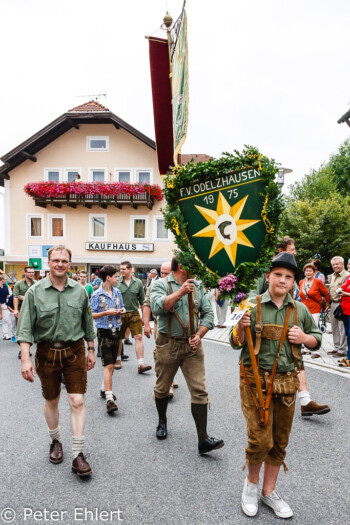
(120, 246)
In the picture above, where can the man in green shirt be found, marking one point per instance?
(133, 297)
(82, 279)
(19, 291)
(21, 288)
(279, 326)
(56, 315)
(175, 347)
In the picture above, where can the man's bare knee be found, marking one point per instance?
(76, 401)
(52, 403)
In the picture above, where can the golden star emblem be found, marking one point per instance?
(226, 227)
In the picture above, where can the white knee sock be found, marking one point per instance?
(140, 361)
(304, 397)
(103, 386)
(77, 446)
(55, 433)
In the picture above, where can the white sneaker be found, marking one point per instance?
(249, 500)
(277, 504)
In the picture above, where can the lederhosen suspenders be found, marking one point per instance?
(185, 329)
(105, 307)
(275, 332)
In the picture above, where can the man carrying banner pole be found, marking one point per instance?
(269, 379)
(176, 348)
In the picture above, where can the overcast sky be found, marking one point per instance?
(271, 73)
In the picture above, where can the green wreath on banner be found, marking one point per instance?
(237, 285)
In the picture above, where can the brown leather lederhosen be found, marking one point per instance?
(273, 332)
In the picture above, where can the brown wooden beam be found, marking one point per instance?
(71, 204)
(56, 204)
(41, 204)
(103, 205)
(28, 156)
(5, 176)
(118, 205)
(86, 205)
(116, 125)
(72, 123)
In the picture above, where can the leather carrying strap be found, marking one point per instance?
(263, 408)
(185, 329)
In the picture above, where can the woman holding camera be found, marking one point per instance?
(313, 293)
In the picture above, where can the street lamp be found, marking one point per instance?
(280, 176)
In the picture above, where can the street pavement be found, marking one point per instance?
(165, 483)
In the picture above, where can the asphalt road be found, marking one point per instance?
(139, 480)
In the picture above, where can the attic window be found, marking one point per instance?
(97, 144)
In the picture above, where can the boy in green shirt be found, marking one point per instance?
(279, 326)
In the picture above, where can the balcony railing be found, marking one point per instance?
(73, 200)
(93, 194)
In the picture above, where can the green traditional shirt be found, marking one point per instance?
(147, 301)
(21, 287)
(50, 315)
(133, 295)
(268, 350)
(160, 291)
(89, 289)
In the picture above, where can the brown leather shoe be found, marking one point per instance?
(338, 354)
(315, 356)
(111, 407)
(313, 408)
(143, 368)
(332, 352)
(118, 365)
(56, 452)
(80, 466)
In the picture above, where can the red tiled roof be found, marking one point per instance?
(92, 106)
(197, 157)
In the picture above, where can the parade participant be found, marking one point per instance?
(146, 315)
(107, 307)
(308, 407)
(82, 279)
(56, 315)
(19, 291)
(133, 297)
(176, 347)
(279, 326)
(345, 306)
(338, 277)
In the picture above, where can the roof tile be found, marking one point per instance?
(196, 157)
(92, 106)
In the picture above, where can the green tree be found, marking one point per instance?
(316, 185)
(317, 210)
(339, 165)
(320, 226)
